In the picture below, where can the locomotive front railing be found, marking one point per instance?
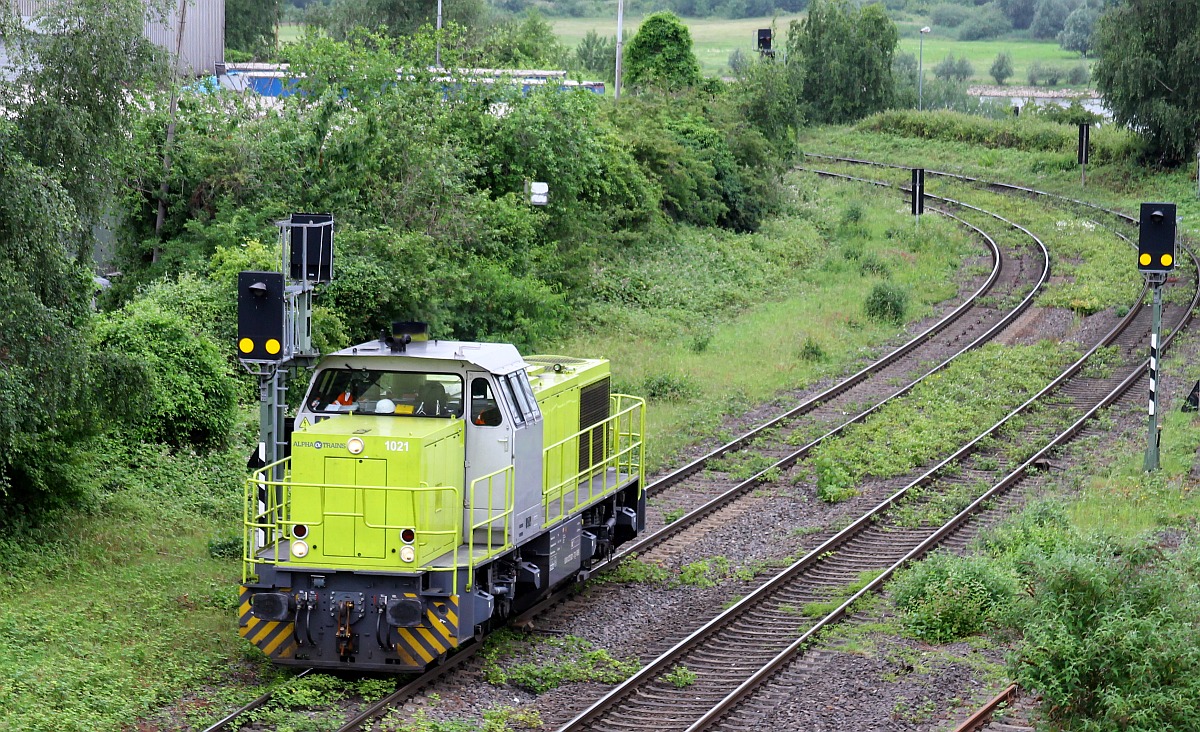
(268, 520)
(619, 439)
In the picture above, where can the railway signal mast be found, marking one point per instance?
(275, 323)
(1156, 258)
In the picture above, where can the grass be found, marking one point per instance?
(981, 54)
(1120, 185)
(820, 302)
(556, 661)
(940, 414)
(713, 39)
(124, 608)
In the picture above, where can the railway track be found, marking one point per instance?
(735, 655)
(967, 327)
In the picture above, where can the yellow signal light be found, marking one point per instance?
(273, 346)
(245, 345)
(1166, 260)
(1144, 259)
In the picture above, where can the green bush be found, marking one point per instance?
(1110, 641)
(1109, 143)
(947, 597)
(668, 387)
(886, 302)
(948, 15)
(987, 22)
(162, 380)
(835, 483)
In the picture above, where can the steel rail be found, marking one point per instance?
(994, 184)
(226, 721)
(983, 715)
(678, 475)
(410, 689)
(660, 664)
(723, 499)
(1013, 478)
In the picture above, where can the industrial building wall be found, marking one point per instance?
(203, 42)
(203, 35)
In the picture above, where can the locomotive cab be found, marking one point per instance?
(430, 493)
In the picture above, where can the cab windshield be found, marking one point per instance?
(391, 393)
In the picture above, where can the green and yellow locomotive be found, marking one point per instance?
(434, 489)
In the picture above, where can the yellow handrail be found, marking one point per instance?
(275, 521)
(621, 434)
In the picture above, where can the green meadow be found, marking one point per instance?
(714, 39)
(981, 54)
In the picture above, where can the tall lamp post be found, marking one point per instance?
(620, 49)
(921, 70)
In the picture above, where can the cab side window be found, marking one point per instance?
(485, 411)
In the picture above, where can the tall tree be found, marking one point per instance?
(1077, 31)
(250, 25)
(68, 103)
(71, 90)
(396, 17)
(845, 59)
(661, 54)
(1148, 73)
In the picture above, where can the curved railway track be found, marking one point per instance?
(734, 655)
(951, 335)
(868, 390)
(968, 326)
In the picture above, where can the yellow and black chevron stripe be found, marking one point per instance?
(419, 647)
(274, 638)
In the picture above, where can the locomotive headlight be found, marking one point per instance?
(354, 445)
(407, 554)
(299, 549)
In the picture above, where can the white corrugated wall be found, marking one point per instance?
(203, 35)
(203, 32)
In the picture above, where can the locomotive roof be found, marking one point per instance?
(497, 358)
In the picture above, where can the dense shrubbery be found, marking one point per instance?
(947, 597)
(1107, 625)
(1109, 144)
(887, 303)
(419, 206)
(1110, 636)
(987, 22)
(162, 379)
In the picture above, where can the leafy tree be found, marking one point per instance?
(522, 44)
(1049, 18)
(396, 17)
(250, 25)
(768, 95)
(67, 101)
(1147, 72)
(986, 22)
(904, 71)
(68, 91)
(660, 54)
(43, 311)
(1076, 34)
(1019, 12)
(597, 54)
(958, 69)
(843, 57)
(1002, 68)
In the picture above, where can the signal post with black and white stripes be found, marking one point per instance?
(1156, 258)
